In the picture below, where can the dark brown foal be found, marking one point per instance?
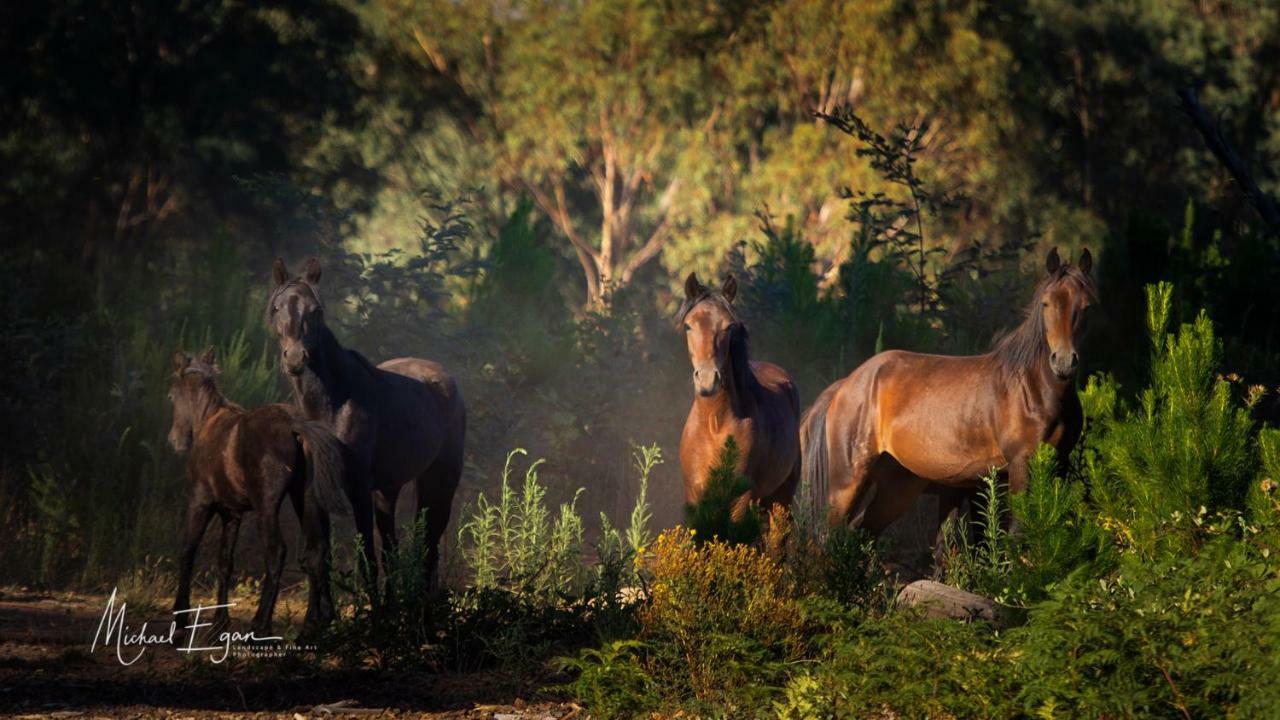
(241, 460)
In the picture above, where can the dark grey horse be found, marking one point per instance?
(400, 421)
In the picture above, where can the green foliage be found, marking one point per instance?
(612, 680)
(1192, 635)
(516, 542)
(899, 665)
(841, 564)
(618, 581)
(854, 575)
(1057, 532)
(721, 623)
(724, 511)
(391, 624)
(981, 566)
(1186, 446)
(527, 590)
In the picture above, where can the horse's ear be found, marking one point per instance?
(692, 288)
(209, 356)
(279, 272)
(1053, 262)
(180, 360)
(1086, 261)
(730, 287)
(311, 273)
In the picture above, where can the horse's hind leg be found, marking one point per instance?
(384, 516)
(315, 560)
(851, 489)
(274, 549)
(199, 513)
(435, 489)
(226, 563)
(896, 489)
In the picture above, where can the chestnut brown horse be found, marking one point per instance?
(401, 421)
(754, 402)
(250, 460)
(902, 421)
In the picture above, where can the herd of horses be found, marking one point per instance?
(899, 425)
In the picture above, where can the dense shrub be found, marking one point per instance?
(721, 622)
(517, 542)
(723, 512)
(1188, 444)
(1056, 535)
(899, 665)
(1193, 635)
(522, 587)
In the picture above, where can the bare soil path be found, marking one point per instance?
(48, 670)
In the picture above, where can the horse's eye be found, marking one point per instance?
(687, 328)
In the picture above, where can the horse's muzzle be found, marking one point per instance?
(1064, 365)
(706, 382)
(294, 360)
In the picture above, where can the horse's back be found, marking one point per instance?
(935, 414)
(422, 416)
(776, 381)
(427, 372)
(246, 453)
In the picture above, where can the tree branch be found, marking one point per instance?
(1230, 159)
(558, 212)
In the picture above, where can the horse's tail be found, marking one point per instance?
(326, 471)
(813, 462)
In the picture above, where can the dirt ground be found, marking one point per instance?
(48, 670)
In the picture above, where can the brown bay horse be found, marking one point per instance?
(904, 422)
(401, 421)
(251, 460)
(754, 402)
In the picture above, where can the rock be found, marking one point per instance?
(934, 599)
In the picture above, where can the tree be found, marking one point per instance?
(590, 105)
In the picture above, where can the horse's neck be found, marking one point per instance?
(211, 403)
(1044, 385)
(321, 390)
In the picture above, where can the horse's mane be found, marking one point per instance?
(210, 395)
(1025, 345)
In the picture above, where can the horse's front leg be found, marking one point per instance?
(951, 507)
(360, 493)
(1019, 476)
(274, 550)
(315, 560)
(199, 513)
(384, 513)
(226, 567)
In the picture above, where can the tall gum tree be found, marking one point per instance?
(590, 104)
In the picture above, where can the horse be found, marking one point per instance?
(903, 422)
(755, 403)
(242, 460)
(401, 421)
